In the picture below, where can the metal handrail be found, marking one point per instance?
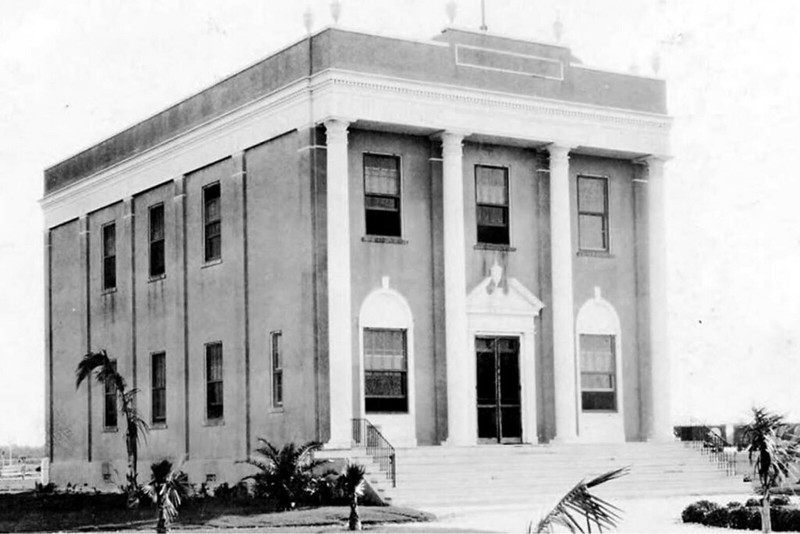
(378, 447)
(709, 442)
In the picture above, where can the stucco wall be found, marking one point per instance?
(614, 274)
(68, 316)
(408, 265)
(281, 288)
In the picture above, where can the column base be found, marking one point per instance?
(565, 440)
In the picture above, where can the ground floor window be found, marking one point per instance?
(598, 373)
(385, 370)
(214, 381)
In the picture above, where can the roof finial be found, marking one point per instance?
(336, 10)
(484, 27)
(558, 28)
(451, 9)
(308, 19)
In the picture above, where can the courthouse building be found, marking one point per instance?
(460, 240)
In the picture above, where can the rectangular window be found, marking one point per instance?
(598, 373)
(382, 195)
(156, 231)
(159, 387)
(277, 369)
(110, 403)
(212, 218)
(214, 381)
(593, 213)
(109, 256)
(491, 197)
(385, 370)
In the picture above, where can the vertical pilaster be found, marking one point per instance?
(660, 428)
(239, 182)
(179, 325)
(129, 231)
(340, 358)
(566, 399)
(455, 291)
(48, 343)
(86, 322)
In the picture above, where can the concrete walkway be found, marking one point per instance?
(641, 515)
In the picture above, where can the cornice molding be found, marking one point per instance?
(575, 111)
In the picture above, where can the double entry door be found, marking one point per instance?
(498, 384)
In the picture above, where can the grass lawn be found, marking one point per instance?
(31, 512)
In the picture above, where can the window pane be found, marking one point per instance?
(598, 372)
(159, 370)
(491, 185)
(109, 272)
(492, 216)
(381, 203)
(157, 258)
(157, 222)
(592, 195)
(592, 232)
(385, 364)
(109, 240)
(381, 175)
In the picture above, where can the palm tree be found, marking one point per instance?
(579, 504)
(352, 483)
(285, 474)
(166, 488)
(775, 452)
(105, 371)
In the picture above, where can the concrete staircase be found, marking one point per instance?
(488, 475)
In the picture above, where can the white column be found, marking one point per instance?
(660, 428)
(459, 362)
(340, 359)
(566, 398)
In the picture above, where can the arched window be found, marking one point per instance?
(598, 333)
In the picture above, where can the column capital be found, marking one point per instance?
(336, 127)
(559, 150)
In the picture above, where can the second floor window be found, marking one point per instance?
(212, 223)
(491, 198)
(593, 213)
(156, 230)
(109, 256)
(159, 387)
(214, 381)
(382, 195)
(277, 370)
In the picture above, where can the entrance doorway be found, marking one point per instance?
(498, 390)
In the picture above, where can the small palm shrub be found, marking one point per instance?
(579, 508)
(352, 484)
(286, 474)
(167, 488)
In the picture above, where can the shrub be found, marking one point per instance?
(697, 511)
(753, 501)
(733, 504)
(779, 500)
(718, 517)
(745, 519)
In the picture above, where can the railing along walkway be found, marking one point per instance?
(378, 447)
(710, 443)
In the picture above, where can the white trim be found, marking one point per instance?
(616, 71)
(493, 310)
(597, 316)
(387, 308)
(513, 54)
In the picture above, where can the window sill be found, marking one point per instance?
(158, 426)
(214, 422)
(211, 263)
(493, 246)
(384, 239)
(594, 254)
(110, 430)
(109, 291)
(276, 409)
(156, 278)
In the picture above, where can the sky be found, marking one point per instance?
(75, 72)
